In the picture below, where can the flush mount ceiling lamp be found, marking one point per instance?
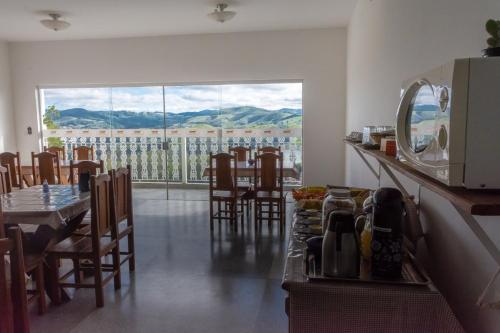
(220, 14)
(55, 23)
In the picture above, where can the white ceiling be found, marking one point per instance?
(19, 19)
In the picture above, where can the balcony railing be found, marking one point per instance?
(179, 154)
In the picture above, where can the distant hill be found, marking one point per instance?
(235, 117)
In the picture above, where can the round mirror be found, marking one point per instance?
(420, 119)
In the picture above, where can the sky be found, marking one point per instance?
(177, 98)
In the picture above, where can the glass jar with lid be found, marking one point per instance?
(337, 199)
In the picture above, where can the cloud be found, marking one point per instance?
(177, 98)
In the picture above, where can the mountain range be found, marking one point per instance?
(234, 117)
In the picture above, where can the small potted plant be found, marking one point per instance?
(493, 28)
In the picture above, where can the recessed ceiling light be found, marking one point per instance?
(220, 14)
(55, 23)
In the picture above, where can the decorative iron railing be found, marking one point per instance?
(179, 154)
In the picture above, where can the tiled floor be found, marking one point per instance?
(186, 279)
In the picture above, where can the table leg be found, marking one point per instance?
(45, 238)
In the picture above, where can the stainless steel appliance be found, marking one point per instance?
(448, 123)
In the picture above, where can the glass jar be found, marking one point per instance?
(337, 199)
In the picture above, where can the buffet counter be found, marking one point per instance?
(322, 306)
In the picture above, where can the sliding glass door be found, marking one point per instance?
(166, 133)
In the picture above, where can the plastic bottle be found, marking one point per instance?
(45, 186)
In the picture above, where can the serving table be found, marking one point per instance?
(54, 216)
(355, 306)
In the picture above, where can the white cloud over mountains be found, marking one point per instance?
(177, 98)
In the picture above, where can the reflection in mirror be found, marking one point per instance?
(420, 122)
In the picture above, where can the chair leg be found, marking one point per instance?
(77, 271)
(99, 293)
(116, 267)
(211, 214)
(131, 250)
(40, 289)
(242, 204)
(219, 210)
(55, 290)
(256, 204)
(270, 213)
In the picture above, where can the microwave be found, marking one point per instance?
(448, 123)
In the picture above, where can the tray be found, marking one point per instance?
(412, 274)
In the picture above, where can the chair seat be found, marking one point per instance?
(80, 245)
(244, 185)
(124, 229)
(268, 195)
(227, 194)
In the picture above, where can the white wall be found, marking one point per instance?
(388, 42)
(7, 130)
(318, 57)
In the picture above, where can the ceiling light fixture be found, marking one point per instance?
(55, 23)
(220, 14)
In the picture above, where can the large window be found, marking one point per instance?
(133, 124)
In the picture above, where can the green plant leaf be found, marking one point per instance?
(492, 27)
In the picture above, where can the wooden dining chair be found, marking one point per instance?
(90, 248)
(223, 189)
(4, 180)
(124, 214)
(13, 161)
(57, 150)
(76, 168)
(45, 166)
(83, 153)
(244, 153)
(268, 190)
(268, 149)
(33, 266)
(14, 316)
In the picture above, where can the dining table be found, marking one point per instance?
(46, 217)
(247, 170)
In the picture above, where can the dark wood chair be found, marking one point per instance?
(223, 189)
(268, 149)
(33, 265)
(91, 248)
(57, 150)
(268, 190)
(83, 153)
(13, 163)
(76, 168)
(14, 316)
(4, 180)
(243, 153)
(47, 168)
(124, 214)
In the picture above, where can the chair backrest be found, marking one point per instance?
(102, 209)
(243, 153)
(269, 149)
(57, 150)
(122, 185)
(13, 297)
(225, 179)
(76, 168)
(268, 172)
(13, 161)
(4, 180)
(48, 168)
(83, 153)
